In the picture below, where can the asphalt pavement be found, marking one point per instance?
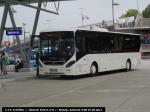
(117, 91)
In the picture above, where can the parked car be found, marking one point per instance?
(11, 64)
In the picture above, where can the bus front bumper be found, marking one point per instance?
(57, 71)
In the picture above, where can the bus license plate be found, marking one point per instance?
(53, 70)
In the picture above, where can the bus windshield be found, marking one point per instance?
(56, 47)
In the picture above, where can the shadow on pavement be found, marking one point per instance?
(54, 77)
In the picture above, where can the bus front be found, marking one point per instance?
(57, 53)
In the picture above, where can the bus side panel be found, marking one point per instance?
(107, 62)
(100, 59)
(82, 65)
(135, 59)
(113, 61)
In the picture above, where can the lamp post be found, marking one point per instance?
(13, 12)
(113, 15)
(138, 5)
(24, 31)
(82, 16)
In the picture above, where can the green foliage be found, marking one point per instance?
(129, 13)
(146, 12)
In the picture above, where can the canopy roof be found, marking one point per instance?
(16, 2)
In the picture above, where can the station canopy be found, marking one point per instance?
(27, 3)
(19, 2)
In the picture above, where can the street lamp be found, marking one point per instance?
(113, 17)
(82, 17)
(13, 12)
(24, 31)
(138, 5)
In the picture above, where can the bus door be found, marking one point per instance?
(81, 55)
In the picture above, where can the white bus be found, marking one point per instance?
(76, 52)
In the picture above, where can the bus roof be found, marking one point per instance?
(83, 29)
(74, 30)
(124, 33)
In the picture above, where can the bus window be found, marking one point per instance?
(136, 43)
(120, 42)
(92, 44)
(56, 46)
(80, 46)
(44, 49)
(67, 47)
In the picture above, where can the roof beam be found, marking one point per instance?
(17, 37)
(3, 23)
(30, 6)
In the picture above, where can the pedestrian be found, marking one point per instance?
(4, 62)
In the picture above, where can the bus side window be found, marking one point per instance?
(92, 44)
(119, 43)
(112, 44)
(136, 43)
(127, 43)
(107, 43)
(80, 46)
(101, 45)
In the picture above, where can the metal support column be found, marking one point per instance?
(113, 18)
(36, 20)
(3, 23)
(37, 17)
(17, 37)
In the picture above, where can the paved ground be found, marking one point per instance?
(117, 91)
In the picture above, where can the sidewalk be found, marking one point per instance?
(12, 76)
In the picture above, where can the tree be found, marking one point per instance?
(146, 12)
(129, 13)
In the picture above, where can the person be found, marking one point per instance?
(4, 62)
(18, 65)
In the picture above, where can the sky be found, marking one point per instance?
(70, 14)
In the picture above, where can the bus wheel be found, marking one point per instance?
(128, 65)
(93, 70)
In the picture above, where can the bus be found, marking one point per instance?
(80, 51)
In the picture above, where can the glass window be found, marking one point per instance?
(57, 47)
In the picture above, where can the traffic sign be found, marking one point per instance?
(14, 31)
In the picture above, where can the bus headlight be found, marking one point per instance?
(70, 63)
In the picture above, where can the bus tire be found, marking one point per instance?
(128, 65)
(93, 69)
